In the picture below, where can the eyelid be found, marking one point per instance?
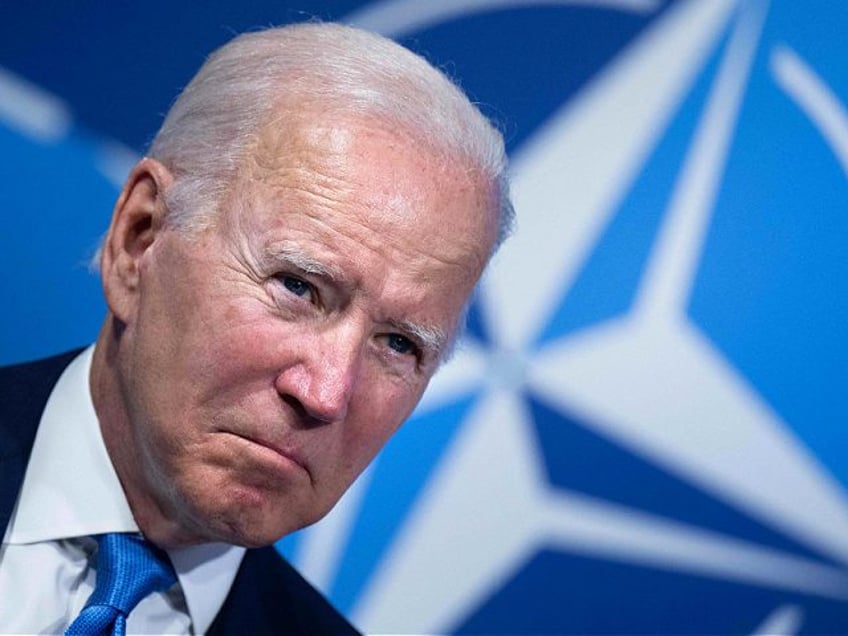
(298, 278)
(430, 341)
(314, 296)
(287, 256)
(417, 349)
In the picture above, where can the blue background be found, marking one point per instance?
(770, 293)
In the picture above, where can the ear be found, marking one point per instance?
(137, 220)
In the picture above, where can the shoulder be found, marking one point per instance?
(37, 374)
(269, 596)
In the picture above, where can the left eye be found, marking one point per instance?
(296, 286)
(401, 344)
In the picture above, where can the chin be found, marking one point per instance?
(250, 509)
(249, 521)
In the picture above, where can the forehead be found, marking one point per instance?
(385, 189)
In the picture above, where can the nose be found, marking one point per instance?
(320, 380)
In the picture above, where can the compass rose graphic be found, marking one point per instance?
(624, 436)
(642, 431)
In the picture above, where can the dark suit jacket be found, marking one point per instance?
(267, 597)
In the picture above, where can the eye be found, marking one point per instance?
(296, 286)
(402, 344)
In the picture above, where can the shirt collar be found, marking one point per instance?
(52, 507)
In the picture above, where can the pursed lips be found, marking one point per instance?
(280, 449)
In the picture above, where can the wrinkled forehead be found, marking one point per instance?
(300, 132)
(388, 175)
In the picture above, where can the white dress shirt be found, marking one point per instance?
(70, 492)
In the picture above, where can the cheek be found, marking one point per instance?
(235, 347)
(374, 418)
(185, 387)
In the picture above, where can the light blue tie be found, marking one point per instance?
(128, 569)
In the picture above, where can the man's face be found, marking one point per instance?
(269, 358)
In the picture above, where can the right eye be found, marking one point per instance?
(295, 286)
(401, 344)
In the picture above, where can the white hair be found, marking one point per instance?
(333, 69)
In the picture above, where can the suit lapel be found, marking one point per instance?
(268, 595)
(24, 389)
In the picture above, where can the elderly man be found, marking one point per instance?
(284, 273)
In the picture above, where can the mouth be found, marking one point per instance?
(284, 457)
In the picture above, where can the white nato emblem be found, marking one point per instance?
(650, 379)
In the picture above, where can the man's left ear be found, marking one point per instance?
(137, 219)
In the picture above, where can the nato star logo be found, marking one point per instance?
(597, 458)
(643, 431)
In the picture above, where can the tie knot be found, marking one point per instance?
(128, 569)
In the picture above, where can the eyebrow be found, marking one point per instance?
(429, 336)
(294, 255)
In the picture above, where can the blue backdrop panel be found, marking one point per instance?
(642, 432)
